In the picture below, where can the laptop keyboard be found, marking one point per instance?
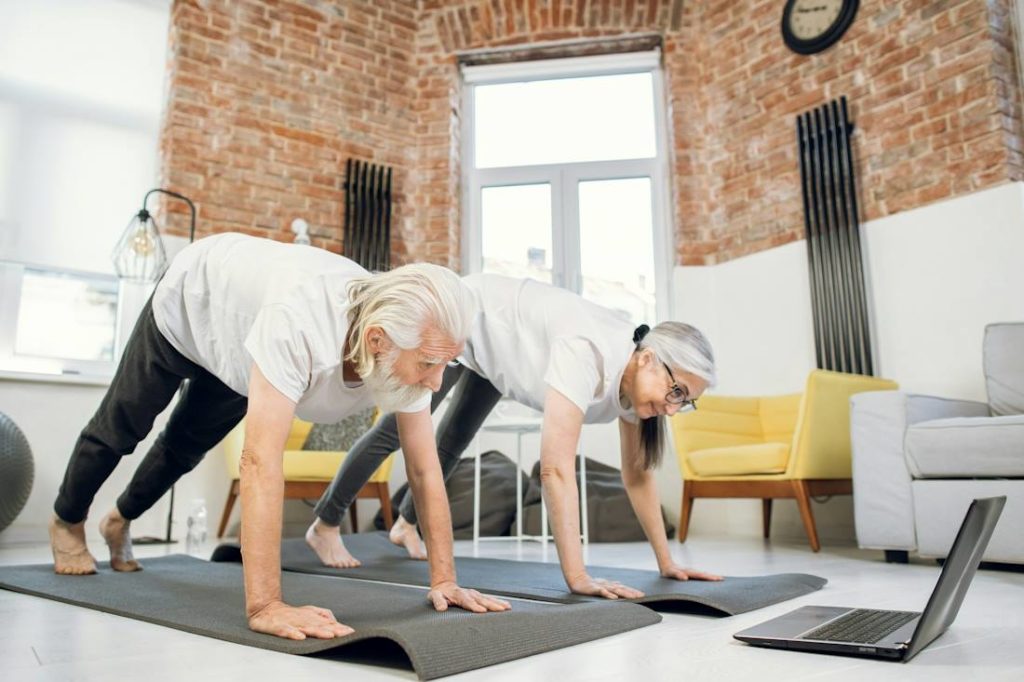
(862, 625)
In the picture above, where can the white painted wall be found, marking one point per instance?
(937, 275)
(940, 274)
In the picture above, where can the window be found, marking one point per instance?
(59, 321)
(79, 135)
(565, 178)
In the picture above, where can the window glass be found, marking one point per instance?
(516, 231)
(616, 249)
(564, 120)
(65, 315)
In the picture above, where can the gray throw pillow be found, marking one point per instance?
(341, 436)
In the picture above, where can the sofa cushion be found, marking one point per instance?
(740, 460)
(966, 447)
(1004, 367)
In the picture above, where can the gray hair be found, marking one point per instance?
(403, 302)
(677, 344)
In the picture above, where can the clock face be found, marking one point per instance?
(811, 18)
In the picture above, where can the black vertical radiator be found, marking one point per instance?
(368, 214)
(832, 227)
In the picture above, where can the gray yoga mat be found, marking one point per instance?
(383, 561)
(207, 599)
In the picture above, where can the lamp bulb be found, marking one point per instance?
(142, 243)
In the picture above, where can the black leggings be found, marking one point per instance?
(149, 374)
(473, 400)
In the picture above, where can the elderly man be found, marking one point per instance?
(267, 331)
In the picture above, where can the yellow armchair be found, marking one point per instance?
(307, 473)
(791, 446)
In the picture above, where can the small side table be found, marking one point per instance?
(521, 427)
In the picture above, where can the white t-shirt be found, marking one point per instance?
(531, 335)
(230, 300)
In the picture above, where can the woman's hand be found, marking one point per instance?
(676, 572)
(598, 587)
(448, 593)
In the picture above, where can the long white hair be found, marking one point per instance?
(404, 302)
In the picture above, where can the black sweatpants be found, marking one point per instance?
(150, 373)
(473, 400)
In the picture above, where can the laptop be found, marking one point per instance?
(891, 635)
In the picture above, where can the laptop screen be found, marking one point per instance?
(957, 572)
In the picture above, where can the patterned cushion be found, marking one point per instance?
(341, 436)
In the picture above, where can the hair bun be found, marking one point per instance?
(640, 332)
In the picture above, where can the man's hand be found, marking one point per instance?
(598, 587)
(291, 622)
(677, 572)
(443, 594)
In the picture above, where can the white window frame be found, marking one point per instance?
(564, 177)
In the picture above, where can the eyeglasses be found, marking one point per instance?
(678, 395)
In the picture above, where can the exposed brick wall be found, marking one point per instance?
(268, 99)
(933, 91)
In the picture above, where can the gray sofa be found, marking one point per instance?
(919, 460)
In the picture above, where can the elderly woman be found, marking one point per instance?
(266, 331)
(581, 364)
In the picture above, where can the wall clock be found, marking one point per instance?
(810, 26)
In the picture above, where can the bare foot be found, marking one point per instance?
(116, 530)
(70, 554)
(326, 542)
(404, 534)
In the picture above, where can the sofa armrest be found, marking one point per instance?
(883, 504)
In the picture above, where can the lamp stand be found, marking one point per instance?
(144, 215)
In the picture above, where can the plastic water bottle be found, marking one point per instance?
(196, 538)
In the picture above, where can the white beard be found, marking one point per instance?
(388, 392)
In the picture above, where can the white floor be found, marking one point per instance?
(45, 640)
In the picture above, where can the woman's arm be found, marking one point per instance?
(560, 435)
(268, 421)
(643, 495)
(416, 433)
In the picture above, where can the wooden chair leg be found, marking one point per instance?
(229, 504)
(803, 501)
(684, 512)
(385, 505)
(766, 514)
(353, 515)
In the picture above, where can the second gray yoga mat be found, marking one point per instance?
(207, 599)
(383, 561)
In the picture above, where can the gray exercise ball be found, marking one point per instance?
(16, 470)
